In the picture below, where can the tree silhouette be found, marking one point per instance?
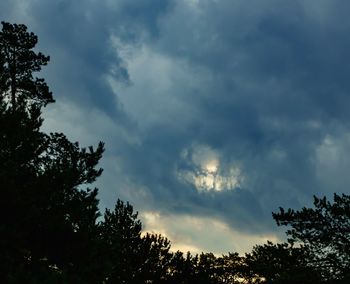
(130, 257)
(19, 64)
(324, 231)
(232, 269)
(280, 263)
(155, 259)
(121, 234)
(48, 217)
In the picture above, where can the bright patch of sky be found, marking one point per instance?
(200, 234)
(206, 174)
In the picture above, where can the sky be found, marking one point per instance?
(214, 113)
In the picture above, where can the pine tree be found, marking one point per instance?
(49, 219)
(324, 231)
(19, 63)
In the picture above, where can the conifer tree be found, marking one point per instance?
(48, 219)
(324, 231)
(20, 61)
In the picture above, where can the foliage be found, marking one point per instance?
(324, 231)
(19, 63)
(280, 263)
(49, 218)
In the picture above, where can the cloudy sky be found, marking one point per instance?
(214, 112)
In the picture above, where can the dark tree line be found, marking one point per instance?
(51, 231)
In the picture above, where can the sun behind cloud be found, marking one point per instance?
(205, 172)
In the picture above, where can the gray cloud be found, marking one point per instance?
(274, 85)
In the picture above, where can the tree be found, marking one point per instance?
(183, 269)
(121, 235)
(49, 220)
(155, 259)
(21, 144)
(279, 264)
(324, 231)
(233, 269)
(204, 268)
(130, 257)
(19, 63)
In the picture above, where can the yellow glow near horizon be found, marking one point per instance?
(191, 233)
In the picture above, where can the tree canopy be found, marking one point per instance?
(324, 232)
(20, 61)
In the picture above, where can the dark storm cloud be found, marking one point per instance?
(264, 84)
(77, 36)
(278, 85)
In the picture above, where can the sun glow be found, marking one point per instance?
(206, 172)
